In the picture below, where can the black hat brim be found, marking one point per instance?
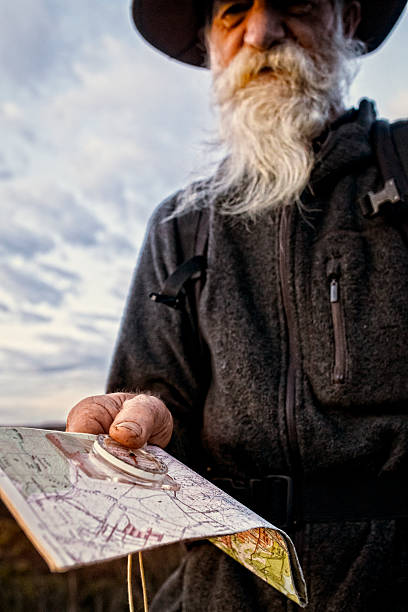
(172, 26)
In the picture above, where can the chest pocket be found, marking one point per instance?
(355, 348)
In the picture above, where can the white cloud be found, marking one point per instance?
(399, 104)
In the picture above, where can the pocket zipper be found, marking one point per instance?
(339, 330)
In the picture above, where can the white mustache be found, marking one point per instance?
(288, 63)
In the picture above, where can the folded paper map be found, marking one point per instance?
(74, 518)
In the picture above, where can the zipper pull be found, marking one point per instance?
(334, 291)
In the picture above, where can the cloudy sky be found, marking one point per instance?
(96, 129)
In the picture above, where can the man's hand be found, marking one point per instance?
(129, 419)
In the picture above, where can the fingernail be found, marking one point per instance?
(134, 428)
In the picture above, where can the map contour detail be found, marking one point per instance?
(75, 517)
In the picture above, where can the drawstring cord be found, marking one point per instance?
(129, 583)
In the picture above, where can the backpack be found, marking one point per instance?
(390, 145)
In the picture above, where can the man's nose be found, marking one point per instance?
(264, 27)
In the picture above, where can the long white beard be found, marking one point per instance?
(271, 106)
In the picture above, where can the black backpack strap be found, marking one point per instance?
(171, 292)
(399, 131)
(192, 230)
(390, 144)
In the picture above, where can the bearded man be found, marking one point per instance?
(286, 366)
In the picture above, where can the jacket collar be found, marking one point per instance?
(347, 145)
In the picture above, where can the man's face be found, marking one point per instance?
(280, 72)
(263, 24)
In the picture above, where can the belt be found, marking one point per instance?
(279, 500)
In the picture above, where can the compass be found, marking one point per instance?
(136, 465)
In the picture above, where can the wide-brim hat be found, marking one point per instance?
(172, 26)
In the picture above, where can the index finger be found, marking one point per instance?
(95, 414)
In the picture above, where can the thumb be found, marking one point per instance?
(143, 418)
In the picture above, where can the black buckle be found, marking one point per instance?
(270, 497)
(168, 300)
(273, 498)
(172, 293)
(238, 489)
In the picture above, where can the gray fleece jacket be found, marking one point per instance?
(304, 316)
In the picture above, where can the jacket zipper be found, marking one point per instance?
(339, 328)
(290, 400)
